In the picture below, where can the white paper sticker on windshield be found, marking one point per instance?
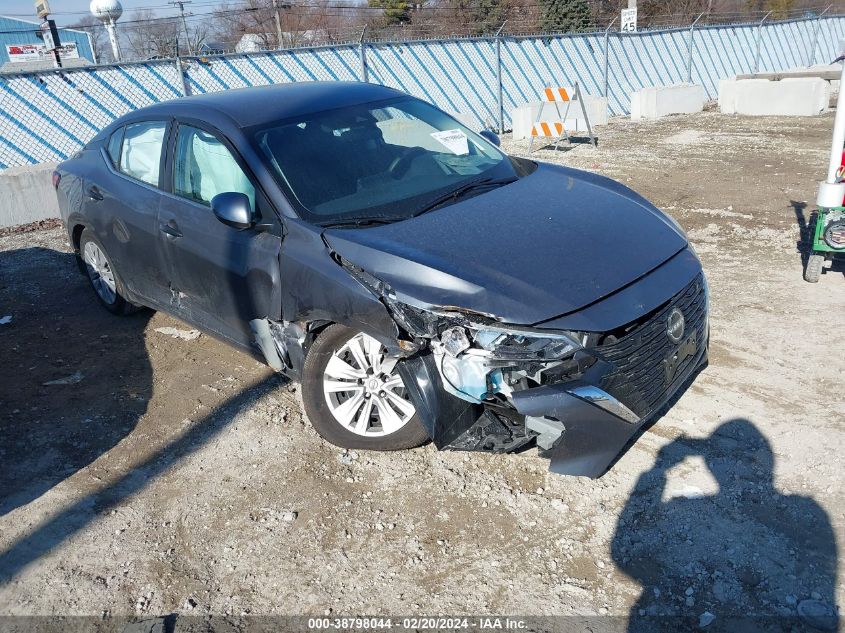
(454, 140)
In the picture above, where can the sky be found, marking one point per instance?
(66, 11)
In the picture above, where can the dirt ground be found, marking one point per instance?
(144, 474)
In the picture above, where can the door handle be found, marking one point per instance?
(170, 229)
(94, 193)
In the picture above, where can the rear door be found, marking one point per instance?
(222, 277)
(121, 200)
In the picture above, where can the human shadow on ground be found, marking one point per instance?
(74, 379)
(754, 558)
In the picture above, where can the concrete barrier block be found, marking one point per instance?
(27, 194)
(523, 117)
(659, 101)
(806, 96)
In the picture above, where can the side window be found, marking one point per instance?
(114, 146)
(140, 155)
(204, 167)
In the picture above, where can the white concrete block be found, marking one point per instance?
(659, 101)
(523, 117)
(808, 96)
(468, 120)
(27, 194)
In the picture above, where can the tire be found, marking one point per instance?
(813, 269)
(106, 283)
(323, 396)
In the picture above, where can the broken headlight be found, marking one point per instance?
(526, 346)
(479, 362)
(456, 332)
(479, 358)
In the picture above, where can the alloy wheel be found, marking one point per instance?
(364, 391)
(100, 272)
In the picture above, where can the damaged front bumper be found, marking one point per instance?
(583, 411)
(580, 396)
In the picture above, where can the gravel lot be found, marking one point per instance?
(145, 474)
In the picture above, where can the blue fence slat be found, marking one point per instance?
(49, 115)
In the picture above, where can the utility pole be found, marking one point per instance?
(181, 4)
(278, 23)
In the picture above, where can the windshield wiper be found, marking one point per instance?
(356, 222)
(461, 191)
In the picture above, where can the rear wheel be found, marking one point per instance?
(102, 275)
(353, 395)
(813, 270)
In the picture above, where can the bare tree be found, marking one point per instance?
(303, 22)
(248, 17)
(99, 38)
(148, 36)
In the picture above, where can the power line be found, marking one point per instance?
(351, 11)
(352, 6)
(181, 4)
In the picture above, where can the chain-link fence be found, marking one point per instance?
(48, 116)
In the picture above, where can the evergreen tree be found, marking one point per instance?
(565, 15)
(481, 16)
(396, 12)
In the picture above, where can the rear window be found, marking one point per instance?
(140, 151)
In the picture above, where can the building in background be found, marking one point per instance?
(21, 50)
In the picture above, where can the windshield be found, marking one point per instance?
(382, 160)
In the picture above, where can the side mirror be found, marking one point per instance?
(491, 136)
(233, 208)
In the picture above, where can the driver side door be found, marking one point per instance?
(221, 277)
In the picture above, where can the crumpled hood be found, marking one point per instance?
(543, 246)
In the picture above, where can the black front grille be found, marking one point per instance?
(638, 375)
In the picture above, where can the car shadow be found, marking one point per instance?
(74, 379)
(745, 558)
(74, 382)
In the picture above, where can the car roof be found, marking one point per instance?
(264, 104)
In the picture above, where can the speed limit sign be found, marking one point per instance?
(629, 21)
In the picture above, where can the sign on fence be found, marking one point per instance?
(629, 21)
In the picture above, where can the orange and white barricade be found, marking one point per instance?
(556, 129)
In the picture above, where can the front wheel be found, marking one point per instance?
(353, 395)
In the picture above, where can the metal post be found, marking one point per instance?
(759, 37)
(689, 48)
(278, 24)
(607, 58)
(362, 57)
(181, 4)
(501, 102)
(838, 139)
(812, 57)
(183, 80)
